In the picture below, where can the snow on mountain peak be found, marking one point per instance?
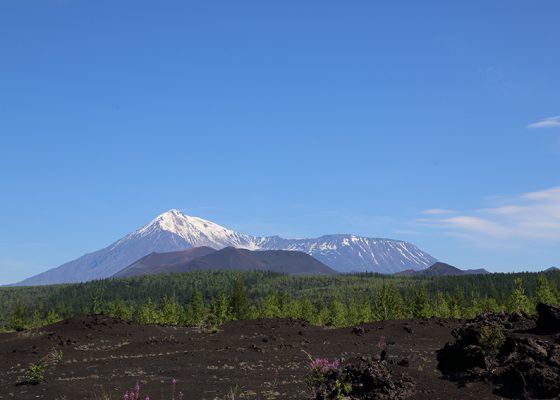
(197, 231)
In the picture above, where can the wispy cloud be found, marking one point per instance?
(436, 211)
(533, 215)
(551, 122)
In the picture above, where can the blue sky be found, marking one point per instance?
(425, 121)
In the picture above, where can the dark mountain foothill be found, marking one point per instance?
(441, 269)
(282, 261)
(157, 263)
(228, 259)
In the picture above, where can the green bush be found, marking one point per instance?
(491, 339)
(35, 373)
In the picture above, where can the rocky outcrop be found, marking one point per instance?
(549, 318)
(514, 351)
(363, 379)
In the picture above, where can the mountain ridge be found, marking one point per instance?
(442, 269)
(175, 231)
(232, 258)
(155, 262)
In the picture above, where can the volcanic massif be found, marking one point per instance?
(175, 242)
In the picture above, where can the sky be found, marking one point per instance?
(434, 122)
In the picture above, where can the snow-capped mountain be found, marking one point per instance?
(351, 253)
(173, 231)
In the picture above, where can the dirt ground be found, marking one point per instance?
(264, 359)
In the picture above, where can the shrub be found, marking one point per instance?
(320, 369)
(35, 373)
(321, 372)
(491, 339)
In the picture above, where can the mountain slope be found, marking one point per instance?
(351, 253)
(231, 258)
(442, 269)
(156, 263)
(175, 231)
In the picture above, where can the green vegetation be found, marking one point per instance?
(214, 297)
(35, 373)
(491, 339)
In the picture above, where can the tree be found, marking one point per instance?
(220, 310)
(36, 318)
(545, 293)
(95, 306)
(474, 309)
(518, 301)
(337, 313)
(148, 313)
(353, 315)
(442, 306)
(196, 310)
(489, 304)
(119, 309)
(388, 303)
(171, 312)
(52, 317)
(18, 320)
(322, 312)
(270, 307)
(421, 306)
(239, 302)
(307, 311)
(458, 303)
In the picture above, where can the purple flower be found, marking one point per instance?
(323, 365)
(136, 393)
(173, 381)
(147, 397)
(126, 396)
(180, 396)
(382, 343)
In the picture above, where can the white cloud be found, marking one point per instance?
(436, 211)
(551, 122)
(533, 215)
(548, 194)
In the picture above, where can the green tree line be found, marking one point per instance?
(212, 298)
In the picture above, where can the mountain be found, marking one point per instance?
(442, 269)
(351, 253)
(171, 231)
(231, 258)
(157, 263)
(175, 231)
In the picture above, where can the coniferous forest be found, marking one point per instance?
(213, 298)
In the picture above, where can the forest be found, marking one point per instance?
(211, 298)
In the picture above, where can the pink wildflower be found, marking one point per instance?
(323, 365)
(136, 393)
(382, 343)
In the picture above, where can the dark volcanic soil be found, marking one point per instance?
(263, 359)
